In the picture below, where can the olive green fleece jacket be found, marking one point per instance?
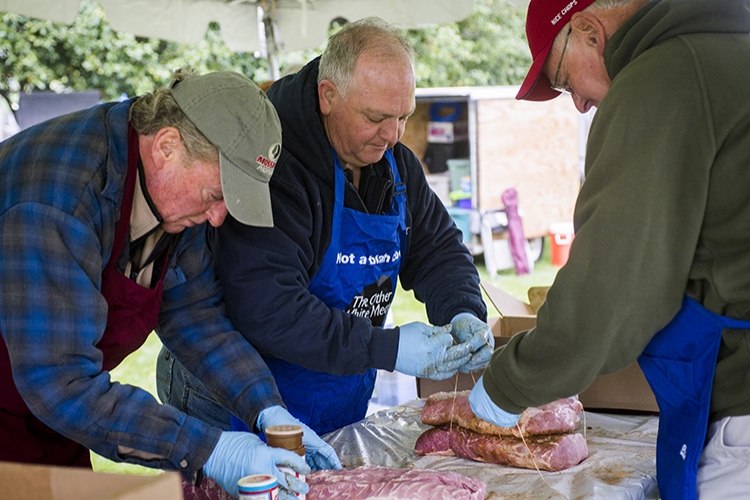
(664, 211)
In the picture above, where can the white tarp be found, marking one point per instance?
(300, 24)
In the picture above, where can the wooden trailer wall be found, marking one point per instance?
(530, 146)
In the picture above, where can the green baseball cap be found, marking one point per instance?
(239, 120)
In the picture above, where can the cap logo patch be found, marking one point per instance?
(274, 151)
(565, 10)
(262, 160)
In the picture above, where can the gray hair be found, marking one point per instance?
(158, 109)
(370, 34)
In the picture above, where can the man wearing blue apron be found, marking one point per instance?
(353, 215)
(361, 290)
(660, 267)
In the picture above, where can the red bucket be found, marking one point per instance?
(560, 237)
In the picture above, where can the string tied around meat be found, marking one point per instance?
(520, 433)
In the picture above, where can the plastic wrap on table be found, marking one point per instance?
(621, 462)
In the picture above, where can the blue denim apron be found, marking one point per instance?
(679, 364)
(358, 275)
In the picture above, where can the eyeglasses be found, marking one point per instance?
(564, 87)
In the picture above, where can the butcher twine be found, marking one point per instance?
(455, 394)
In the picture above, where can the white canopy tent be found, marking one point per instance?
(247, 25)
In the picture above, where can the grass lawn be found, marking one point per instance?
(139, 368)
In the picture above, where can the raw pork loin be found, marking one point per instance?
(553, 452)
(387, 483)
(550, 442)
(557, 417)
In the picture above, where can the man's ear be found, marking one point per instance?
(167, 143)
(326, 94)
(592, 29)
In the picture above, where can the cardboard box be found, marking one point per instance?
(625, 390)
(39, 482)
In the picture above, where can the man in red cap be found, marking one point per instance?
(660, 267)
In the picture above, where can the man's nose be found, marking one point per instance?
(391, 131)
(217, 213)
(582, 105)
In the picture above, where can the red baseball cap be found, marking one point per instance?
(544, 20)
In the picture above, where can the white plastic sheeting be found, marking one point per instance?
(621, 463)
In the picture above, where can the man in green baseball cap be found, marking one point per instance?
(237, 118)
(102, 240)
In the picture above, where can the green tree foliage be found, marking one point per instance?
(488, 48)
(89, 54)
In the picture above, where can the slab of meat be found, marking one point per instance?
(383, 482)
(551, 452)
(557, 417)
(208, 490)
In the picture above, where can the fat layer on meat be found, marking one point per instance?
(558, 417)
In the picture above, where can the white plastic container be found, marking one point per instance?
(259, 487)
(441, 185)
(288, 437)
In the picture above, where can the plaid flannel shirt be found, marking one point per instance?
(61, 186)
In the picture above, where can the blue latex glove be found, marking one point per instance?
(429, 351)
(466, 327)
(484, 408)
(319, 454)
(240, 454)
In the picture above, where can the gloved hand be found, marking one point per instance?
(429, 351)
(466, 327)
(240, 454)
(319, 454)
(484, 408)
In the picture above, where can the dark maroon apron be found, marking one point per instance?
(132, 315)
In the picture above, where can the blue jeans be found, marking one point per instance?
(176, 387)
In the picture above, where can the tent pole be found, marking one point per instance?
(269, 42)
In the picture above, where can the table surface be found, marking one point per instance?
(621, 462)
